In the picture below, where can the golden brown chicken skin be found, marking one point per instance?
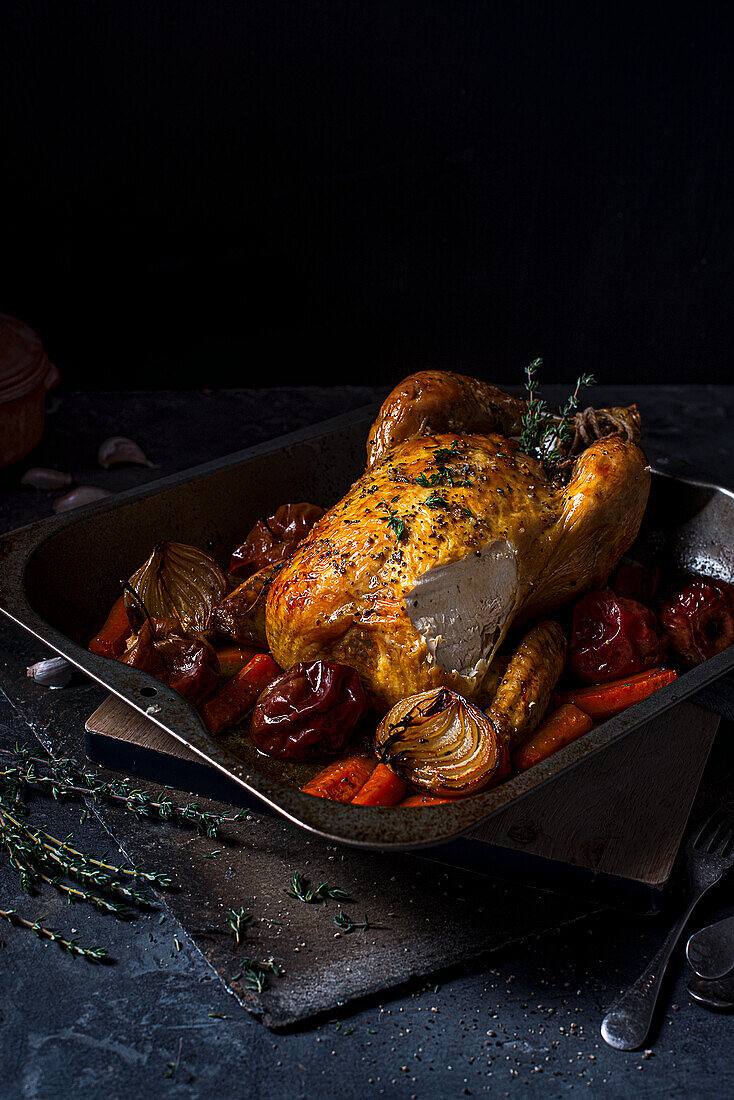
(432, 401)
(432, 501)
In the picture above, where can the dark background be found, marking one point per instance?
(261, 191)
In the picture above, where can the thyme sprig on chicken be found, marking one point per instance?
(545, 433)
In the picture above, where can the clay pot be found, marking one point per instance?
(25, 374)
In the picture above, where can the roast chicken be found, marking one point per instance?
(452, 539)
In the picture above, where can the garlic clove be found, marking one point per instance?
(79, 497)
(118, 450)
(52, 672)
(38, 477)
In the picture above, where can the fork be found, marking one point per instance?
(709, 855)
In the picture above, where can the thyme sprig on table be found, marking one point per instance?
(41, 859)
(71, 946)
(545, 433)
(237, 919)
(66, 780)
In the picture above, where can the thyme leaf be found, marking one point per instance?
(393, 520)
(345, 923)
(300, 889)
(544, 433)
(237, 919)
(446, 454)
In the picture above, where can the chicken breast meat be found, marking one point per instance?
(452, 537)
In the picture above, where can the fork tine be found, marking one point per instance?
(723, 835)
(714, 841)
(695, 841)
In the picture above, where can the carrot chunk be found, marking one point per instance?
(232, 658)
(340, 782)
(610, 699)
(383, 788)
(111, 639)
(424, 800)
(235, 698)
(564, 726)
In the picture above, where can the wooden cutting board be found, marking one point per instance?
(613, 824)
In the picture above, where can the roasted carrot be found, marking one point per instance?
(235, 698)
(234, 657)
(609, 699)
(424, 800)
(383, 788)
(111, 639)
(341, 781)
(564, 726)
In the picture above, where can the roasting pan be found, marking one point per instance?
(58, 577)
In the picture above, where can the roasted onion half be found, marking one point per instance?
(443, 744)
(177, 581)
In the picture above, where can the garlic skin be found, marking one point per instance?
(52, 672)
(118, 450)
(39, 477)
(177, 581)
(79, 497)
(442, 744)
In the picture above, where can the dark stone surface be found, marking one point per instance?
(528, 1026)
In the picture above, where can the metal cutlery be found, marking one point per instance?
(711, 951)
(718, 994)
(709, 855)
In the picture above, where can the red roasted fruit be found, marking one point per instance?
(274, 538)
(612, 638)
(309, 711)
(182, 660)
(699, 620)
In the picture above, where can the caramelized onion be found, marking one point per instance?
(177, 581)
(443, 744)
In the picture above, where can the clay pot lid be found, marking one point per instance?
(24, 364)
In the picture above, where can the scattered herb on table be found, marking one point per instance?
(171, 1067)
(237, 919)
(300, 889)
(255, 973)
(345, 923)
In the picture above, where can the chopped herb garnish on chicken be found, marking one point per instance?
(446, 454)
(443, 475)
(435, 500)
(393, 520)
